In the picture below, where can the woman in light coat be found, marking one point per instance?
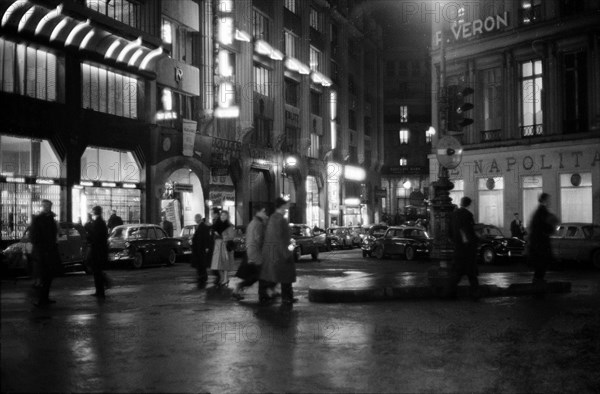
(222, 259)
(278, 262)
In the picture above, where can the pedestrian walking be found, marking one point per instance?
(249, 270)
(200, 248)
(166, 224)
(215, 217)
(114, 220)
(516, 227)
(97, 236)
(278, 263)
(542, 226)
(44, 238)
(222, 257)
(465, 246)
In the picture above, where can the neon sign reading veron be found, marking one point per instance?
(461, 31)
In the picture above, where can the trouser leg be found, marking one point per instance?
(98, 280)
(263, 286)
(287, 292)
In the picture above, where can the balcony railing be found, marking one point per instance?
(491, 135)
(532, 131)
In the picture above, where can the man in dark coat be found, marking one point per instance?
(465, 245)
(44, 237)
(98, 250)
(166, 225)
(114, 220)
(215, 216)
(200, 246)
(516, 227)
(278, 264)
(542, 226)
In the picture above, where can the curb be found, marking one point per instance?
(429, 293)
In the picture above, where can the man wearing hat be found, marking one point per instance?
(98, 250)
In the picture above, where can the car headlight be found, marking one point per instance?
(504, 243)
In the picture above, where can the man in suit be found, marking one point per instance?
(114, 220)
(543, 225)
(44, 239)
(166, 225)
(200, 248)
(465, 246)
(98, 254)
(516, 227)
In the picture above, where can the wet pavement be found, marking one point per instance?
(158, 332)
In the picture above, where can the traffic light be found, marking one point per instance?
(457, 108)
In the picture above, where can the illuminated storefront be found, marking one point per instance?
(334, 172)
(314, 215)
(222, 192)
(30, 172)
(110, 179)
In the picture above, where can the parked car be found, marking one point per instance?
(407, 241)
(357, 233)
(303, 241)
(338, 237)
(492, 244)
(371, 235)
(186, 235)
(142, 245)
(320, 239)
(577, 242)
(72, 247)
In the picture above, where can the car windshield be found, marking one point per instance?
(592, 232)
(117, 233)
(490, 232)
(298, 231)
(378, 232)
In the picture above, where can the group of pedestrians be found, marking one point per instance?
(539, 251)
(267, 260)
(45, 231)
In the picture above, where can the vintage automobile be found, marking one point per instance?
(357, 233)
(371, 235)
(142, 245)
(578, 242)
(338, 238)
(303, 242)
(492, 244)
(407, 241)
(72, 247)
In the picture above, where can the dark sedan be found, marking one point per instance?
(407, 241)
(303, 242)
(72, 248)
(143, 244)
(339, 238)
(492, 244)
(578, 242)
(371, 235)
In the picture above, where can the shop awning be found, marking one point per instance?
(53, 27)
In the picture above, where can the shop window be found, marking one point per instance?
(177, 40)
(20, 202)
(21, 157)
(531, 92)
(28, 71)
(491, 91)
(403, 113)
(576, 197)
(458, 191)
(108, 91)
(491, 201)
(313, 211)
(315, 142)
(109, 165)
(531, 188)
(124, 11)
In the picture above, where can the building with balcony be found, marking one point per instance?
(535, 71)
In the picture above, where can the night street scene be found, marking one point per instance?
(300, 196)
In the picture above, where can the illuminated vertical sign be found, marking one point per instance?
(225, 106)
